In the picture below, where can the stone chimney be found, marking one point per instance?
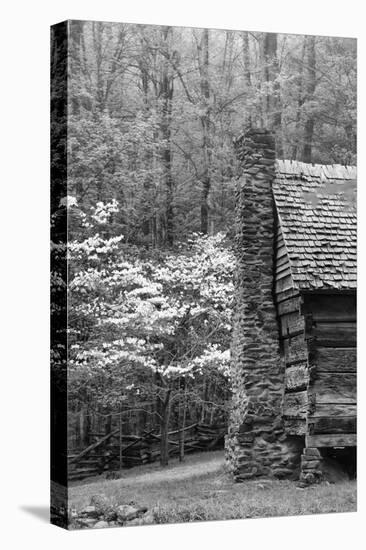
(256, 443)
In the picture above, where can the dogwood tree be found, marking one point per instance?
(143, 323)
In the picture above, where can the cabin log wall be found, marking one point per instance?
(293, 343)
(331, 337)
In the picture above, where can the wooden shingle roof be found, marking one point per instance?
(316, 206)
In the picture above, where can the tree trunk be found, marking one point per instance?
(108, 424)
(164, 429)
(183, 424)
(204, 393)
(212, 397)
(247, 75)
(120, 439)
(97, 34)
(310, 89)
(82, 428)
(146, 222)
(246, 60)
(87, 426)
(166, 93)
(205, 123)
(76, 33)
(300, 101)
(273, 105)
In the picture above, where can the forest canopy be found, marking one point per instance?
(154, 111)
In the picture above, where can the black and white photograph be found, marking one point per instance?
(203, 274)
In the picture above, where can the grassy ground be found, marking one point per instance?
(202, 489)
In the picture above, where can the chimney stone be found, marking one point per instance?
(256, 443)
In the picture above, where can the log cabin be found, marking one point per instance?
(294, 345)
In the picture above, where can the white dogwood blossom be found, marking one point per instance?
(171, 317)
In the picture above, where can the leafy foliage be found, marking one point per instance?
(152, 119)
(134, 314)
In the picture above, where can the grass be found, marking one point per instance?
(202, 489)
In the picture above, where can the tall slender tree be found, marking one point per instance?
(166, 95)
(273, 107)
(205, 112)
(300, 101)
(310, 91)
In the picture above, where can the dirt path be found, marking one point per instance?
(180, 471)
(194, 466)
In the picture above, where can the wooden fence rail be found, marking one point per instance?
(107, 454)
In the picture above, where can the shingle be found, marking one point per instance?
(318, 222)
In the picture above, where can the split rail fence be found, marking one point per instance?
(115, 451)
